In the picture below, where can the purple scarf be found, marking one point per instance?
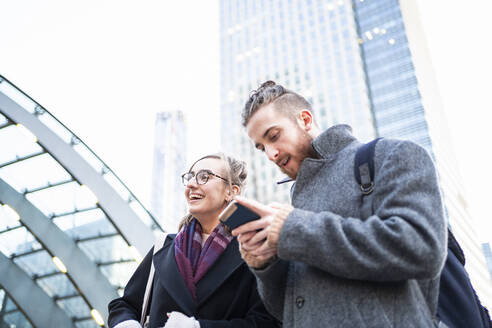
(194, 260)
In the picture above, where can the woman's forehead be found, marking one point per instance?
(209, 163)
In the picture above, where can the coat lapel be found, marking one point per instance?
(225, 265)
(170, 278)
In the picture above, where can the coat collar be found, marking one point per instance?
(170, 278)
(327, 145)
(332, 140)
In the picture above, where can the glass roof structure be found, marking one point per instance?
(71, 232)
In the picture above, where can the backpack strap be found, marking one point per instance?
(159, 243)
(364, 166)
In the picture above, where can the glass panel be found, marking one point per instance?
(75, 307)
(15, 320)
(119, 274)
(27, 173)
(24, 143)
(89, 323)
(85, 224)
(58, 285)
(17, 241)
(7, 219)
(9, 305)
(106, 249)
(62, 199)
(39, 263)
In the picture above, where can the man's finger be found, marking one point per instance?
(254, 205)
(251, 247)
(276, 205)
(263, 249)
(259, 236)
(243, 238)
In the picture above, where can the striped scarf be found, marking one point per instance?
(192, 259)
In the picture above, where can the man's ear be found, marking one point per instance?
(305, 118)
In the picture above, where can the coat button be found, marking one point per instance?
(299, 302)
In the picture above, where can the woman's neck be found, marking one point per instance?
(208, 224)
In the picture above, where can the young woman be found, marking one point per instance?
(200, 279)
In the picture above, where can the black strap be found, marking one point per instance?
(364, 166)
(455, 247)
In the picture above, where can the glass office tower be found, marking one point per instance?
(488, 256)
(167, 202)
(360, 62)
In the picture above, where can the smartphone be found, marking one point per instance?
(235, 215)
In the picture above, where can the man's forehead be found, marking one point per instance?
(261, 121)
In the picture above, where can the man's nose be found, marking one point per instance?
(272, 153)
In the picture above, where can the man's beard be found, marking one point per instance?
(305, 150)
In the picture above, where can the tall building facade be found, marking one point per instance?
(167, 201)
(488, 257)
(360, 62)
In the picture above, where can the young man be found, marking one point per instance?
(328, 261)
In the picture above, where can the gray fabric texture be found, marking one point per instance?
(338, 268)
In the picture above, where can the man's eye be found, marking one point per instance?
(274, 136)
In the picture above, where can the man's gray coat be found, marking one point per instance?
(340, 268)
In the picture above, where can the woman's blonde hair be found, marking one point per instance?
(236, 176)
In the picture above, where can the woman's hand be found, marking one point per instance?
(179, 320)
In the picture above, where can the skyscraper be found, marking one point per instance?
(167, 201)
(360, 62)
(488, 256)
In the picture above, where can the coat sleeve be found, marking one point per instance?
(129, 306)
(256, 317)
(404, 239)
(271, 286)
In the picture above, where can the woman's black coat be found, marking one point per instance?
(226, 296)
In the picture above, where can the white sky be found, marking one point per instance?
(105, 67)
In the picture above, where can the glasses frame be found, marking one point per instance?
(195, 175)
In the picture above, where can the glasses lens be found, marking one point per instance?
(185, 178)
(202, 177)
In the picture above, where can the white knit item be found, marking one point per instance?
(128, 324)
(179, 320)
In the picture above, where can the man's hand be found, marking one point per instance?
(257, 261)
(259, 239)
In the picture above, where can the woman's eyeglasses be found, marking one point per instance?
(201, 177)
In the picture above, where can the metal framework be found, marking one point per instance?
(33, 301)
(84, 273)
(132, 229)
